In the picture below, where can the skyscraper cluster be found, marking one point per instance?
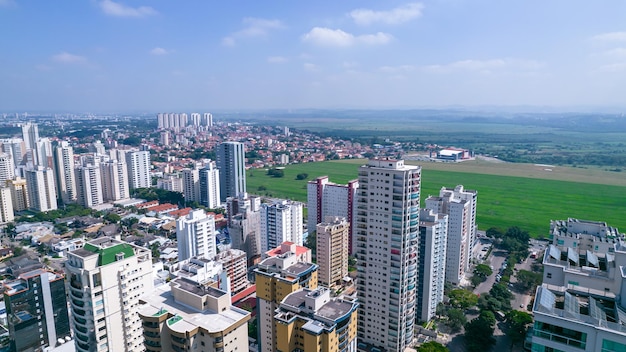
(178, 121)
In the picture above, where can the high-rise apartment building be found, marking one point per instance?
(30, 134)
(138, 165)
(114, 180)
(191, 184)
(431, 277)
(6, 205)
(325, 198)
(231, 161)
(332, 250)
(581, 305)
(107, 278)
(386, 244)
(277, 277)
(460, 205)
(88, 186)
(210, 186)
(64, 164)
(195, 234)
(172, 183)
(43, 153)
(235, 265)
(15, 148)
(244, 224)
(309, 320)
(7, 168)
(42, 195)
(19, 194)
(280, 221)
(36, 310)
(207, 119)
(190, 316)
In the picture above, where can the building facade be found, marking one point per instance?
(231, 161)
(280, 221)
(431, 276)
(195, 234)
(19, 194)
(6, 205)
(64, 165)
(138, 165)
(386, 243)
(36, 310)
(42, 195)
(107, 277)
(325, 198)
(244, 224)
(332, 251)
(114, 181)
(235, 265)
(88, 186)
(210, 186)
(7, 168)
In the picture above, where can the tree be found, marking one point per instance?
(456, 319)
(528, 279)
(463, 299)
(432, 346)
(502, 294)
(112, 218)
(479, 332)
(494, 232)
(518, 325)
(483, 270)
(487, 302)
(276, 172)
(302, 176)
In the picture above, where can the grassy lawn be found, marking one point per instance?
(527, 201)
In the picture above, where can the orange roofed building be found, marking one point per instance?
(303, 254)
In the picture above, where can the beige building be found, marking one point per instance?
(235, 265)
(277, 277)
(107, 277)
(311, 321)
(19, 194)
(188, 316)
(332, 250)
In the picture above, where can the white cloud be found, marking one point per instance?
(350, 64)
(610, 37)
(7, 3)
(336, 37)
(397, 69)
(616, 52)
(277, 59)
(485, 66)
(67, 58)
(253, 28)
(159, 51)
(615, 67)
(397, 15)
(117, 9)
(311, 67)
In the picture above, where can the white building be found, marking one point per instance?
(280, 221)
(195, 234)
(138, 164)
(209, 185)
(107, 278)
(6, 205)
(191, 185)
(325, 198)
(332, 251)
(43, 153)
(64, 164)
(581, 305)
(231, 161)
(88, 186)
(173, 183)
(30, 134)
(432, 262)
(386, 244)
(244, 224)
(114, 180)
(15, 148)
(42, 195)
(7, 168)
(460, 206)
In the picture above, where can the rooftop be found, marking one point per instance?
(107, 249)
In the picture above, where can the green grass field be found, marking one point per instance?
(529, 202)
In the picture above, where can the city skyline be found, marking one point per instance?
(138, 55)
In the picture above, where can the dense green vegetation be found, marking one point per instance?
(503, 201)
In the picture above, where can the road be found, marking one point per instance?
(496, 259)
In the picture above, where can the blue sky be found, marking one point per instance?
(164, 55)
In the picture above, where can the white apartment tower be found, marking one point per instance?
(107, 278)
(191, 184)
(88, 186)
(42, 194)
(332, 251)
(244, 224)
(6, 205)
(66, 183)
(30, 134)
(195, 234)
(386, 243)
(325, 198)
(280, 221)
(7, 168)
(460, 206)
(231, 161)
(138, 164)
(114, 180)
(19, 194)
(210, 186)
(431, 262)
